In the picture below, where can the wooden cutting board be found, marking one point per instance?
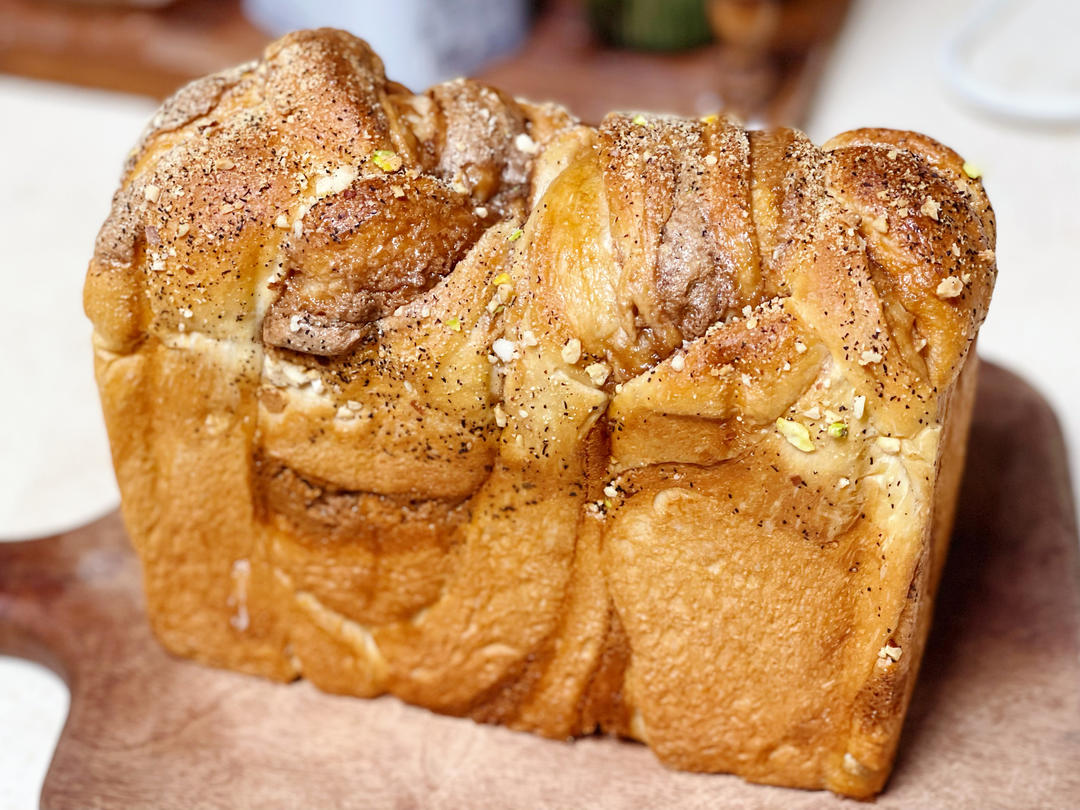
(995, 721)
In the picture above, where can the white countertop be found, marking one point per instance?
(62, 149)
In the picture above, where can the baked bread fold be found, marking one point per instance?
(653, 428)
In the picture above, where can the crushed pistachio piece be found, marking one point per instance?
(971, 170)
(639, 120)
(515, 235)
(502, 278)
(386, 160)
(711, 118)
(454, 324)
(796, 434)
(837, 430)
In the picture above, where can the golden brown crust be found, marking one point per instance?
(654, 429)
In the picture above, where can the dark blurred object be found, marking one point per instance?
(758, 73)
(762, 41)
(119, 47)
(651, 25)
(562, 61)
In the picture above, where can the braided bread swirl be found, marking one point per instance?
(653, 428)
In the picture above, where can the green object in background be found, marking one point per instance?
(650, 25)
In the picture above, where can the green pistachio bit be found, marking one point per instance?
(515, 235)
(639, 120)
(454, 323)
(837, 430)
(386, 160)
(971, 170)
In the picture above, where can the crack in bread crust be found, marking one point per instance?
(651, 429)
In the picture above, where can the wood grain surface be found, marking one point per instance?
(995, 722)
(155, 51)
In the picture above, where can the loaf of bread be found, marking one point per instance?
(653, 429)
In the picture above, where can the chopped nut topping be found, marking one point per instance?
(880, 224)
(611, 492)
(481, 211)
(282, 221)
(386, 160)
(890, 653)
(515, 235)
(504, 349)
(678, 362)
(955, 250)
(812, 413)
(869, 356)
(639, 120)
(187, 313)
(893, 153)
(931, 208)
(294, 323)
(526, 144)
(800, 347)
(796, 434)
(971, 170)
(858, 406)
(224, 164)
(843, 483)
(397, 191)
(950, 287)
(151, 193)
(711, 118)
(571, 352)
(528, 338)
(183, 229)
(454, 324)
(500, 415)
(837, 430)
(710, 160)
(598, 373)
(502, 278)
(920, 343)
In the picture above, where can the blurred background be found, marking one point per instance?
(998, 80)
